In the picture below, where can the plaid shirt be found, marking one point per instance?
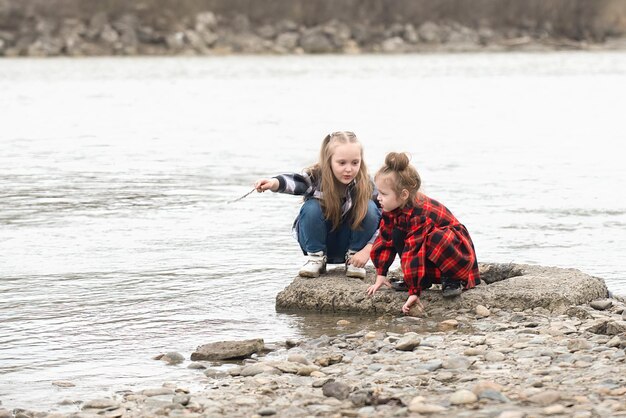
(434, 244)
(304, 184)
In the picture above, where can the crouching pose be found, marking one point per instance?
(434, 247)
(338, 221)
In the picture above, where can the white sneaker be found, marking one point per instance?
(352, 271)
(315, 265)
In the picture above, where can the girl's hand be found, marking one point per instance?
(266, 184)
(412, 300)
(380, 281)
(360, 258)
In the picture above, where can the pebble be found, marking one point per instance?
(173, 358)
(553, 410)
(408, 342)
(336, 390)
(63, 384)
(426, 408)
(157, 392)
(463, 396)
(482, 311)
(267, 411)
(601, 305)
(494, 356)
(512, 414)
(545, 398)
(100, 404)
(448, 325)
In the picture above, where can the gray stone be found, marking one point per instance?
(216, 374)
(553, 289)
(601, 305)
(336, 390)
(228, 350)
(393, 45)
(181, 399)
(614, 342)
(258, 368)
(157, 392)
(431, 365)
(205, 21)
(408, 342)
(512, 414)
(417, 405)
(316, 41)
(578, 312)
(457, 363)
(267, 411)
(545, 398)
(578, 345)
(482, 311)
(100, 404)
(173, 358)
(288, 40)
(616, 327)
(298, 358)
(493, 395)
(463, 396)
(430, 32)
(196, 366)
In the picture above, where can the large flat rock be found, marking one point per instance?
(505, 286)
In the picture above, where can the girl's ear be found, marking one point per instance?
(404, 195)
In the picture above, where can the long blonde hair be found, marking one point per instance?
(329, 185)
(401, 175)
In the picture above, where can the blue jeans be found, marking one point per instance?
(314, 232)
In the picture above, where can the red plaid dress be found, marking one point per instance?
(431, 243)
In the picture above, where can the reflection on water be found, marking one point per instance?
(116, 241)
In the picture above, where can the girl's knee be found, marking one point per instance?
(312, 209)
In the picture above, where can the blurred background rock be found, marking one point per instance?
(205, 27)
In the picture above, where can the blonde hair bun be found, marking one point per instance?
(397, 161)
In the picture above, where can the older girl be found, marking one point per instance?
(434, 247)
(338, 221)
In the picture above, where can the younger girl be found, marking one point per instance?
(433, 246)
(338, 221)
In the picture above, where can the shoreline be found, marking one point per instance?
(479, 362)
(210, 34)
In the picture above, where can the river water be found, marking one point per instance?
(115, 241)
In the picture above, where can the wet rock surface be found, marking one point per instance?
(505, 286)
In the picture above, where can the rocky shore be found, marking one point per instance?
(208, 33)
(479, 361)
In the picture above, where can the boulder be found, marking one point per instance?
(504, 286)
(228, 350)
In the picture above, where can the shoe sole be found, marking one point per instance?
(310, 274)
(452, 293)
(355, 275)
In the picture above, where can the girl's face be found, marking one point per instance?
(389, 200)
(346, 162)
